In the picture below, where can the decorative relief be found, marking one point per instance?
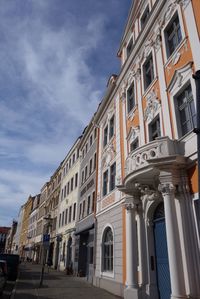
(133, 133)
(166, 188)
(152, 106)
(138, 74)
(179, 76)
(108, 155)
(107, 201)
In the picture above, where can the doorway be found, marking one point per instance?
(161, 253)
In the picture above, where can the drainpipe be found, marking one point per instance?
(196, 77)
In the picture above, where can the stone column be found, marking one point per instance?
(131, 290)
(141, 245)
(189, 238)
(173, 242)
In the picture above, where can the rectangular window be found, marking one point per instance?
(91, 140)
(134, 145)
(72, 184)
(80, 211)
(154, 129)
(90, 170)
(93, 201)
(74, 212)
(70, 163)
(82, 179)
(105, 183)
(95, 133)
(95, 161)
(65, 191)
(67, 188)
(105, 136)
(63, 218)
(130, 98)
(74, 156)
(70, 214)
(129, 48)
(60, 220)
(62, 195)
(66, 216)
(86, 148)
(144, 17)
(186, 111)
(111, 127)
(76, 180)
(85, 173)
(112, 176)
(83, 212)
(173, 35)
(148, 71)
(88, 206)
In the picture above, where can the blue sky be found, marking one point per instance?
(55, 59)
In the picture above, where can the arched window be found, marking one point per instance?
(107, 250)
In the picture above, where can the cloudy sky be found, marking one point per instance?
(55, 59)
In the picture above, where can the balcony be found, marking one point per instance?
(144, 163)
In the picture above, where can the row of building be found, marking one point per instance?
(122, 208)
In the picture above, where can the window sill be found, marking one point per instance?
(108, 274)
(109, 193)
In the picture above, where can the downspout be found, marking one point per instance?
(196, 130)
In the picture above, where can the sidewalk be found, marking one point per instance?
(55, 285)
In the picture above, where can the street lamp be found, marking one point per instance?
(44, 251)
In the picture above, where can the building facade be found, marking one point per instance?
(65, 247)
(159, 185)
(3, 235)
(51, 212)
(85, 220)
(24, 241)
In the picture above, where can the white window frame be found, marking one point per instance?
(107, 273)
(175, 88)
(177, 11)
(129, 114)
(147, 3)
(148, 122)
(145, 91)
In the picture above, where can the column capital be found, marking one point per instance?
(131, 203)
(167, 188)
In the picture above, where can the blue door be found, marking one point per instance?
(162, 264)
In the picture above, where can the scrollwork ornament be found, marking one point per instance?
(166, 188)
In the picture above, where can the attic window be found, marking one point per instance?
(144, 17)
(129, 48)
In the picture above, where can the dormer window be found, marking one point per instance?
(144, 17)
(129, 48)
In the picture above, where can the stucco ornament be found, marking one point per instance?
(152, 106)
(133, 133)
(108, 155)
(166, 188)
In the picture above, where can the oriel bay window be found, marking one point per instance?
(173, 35)
(148, 71)
(107, 250)
(186, 111)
